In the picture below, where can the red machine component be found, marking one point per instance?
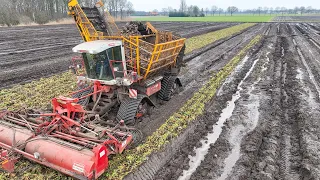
(65, 140)
(6, 162)
(154, 88)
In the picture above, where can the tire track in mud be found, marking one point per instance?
(276, 148)
(290, 155)
(309, 111)
(309, 52)
(225, 154)
(180, 161)
(271, 151)
(283, 143)
(196, 73)
(211, 138)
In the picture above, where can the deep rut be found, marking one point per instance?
(273, 129)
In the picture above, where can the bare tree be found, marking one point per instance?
(196, 11)
(271, 11)
(283, 10)
(278, 10)
(183, 6)
(302, 10)
(259, 10)
(253, 11)
(232, 10)
(309, 9)
(265, 9)
(220, 10)
(122, 6)
(190, 10)
(296, 10)
(207, 11)
(214, 10)
(7, 14)
(129, 8)
(165, 11)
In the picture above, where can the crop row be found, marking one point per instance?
(123, 164)
(206, 39)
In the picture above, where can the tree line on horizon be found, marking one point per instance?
(194, 11)
(14, 12)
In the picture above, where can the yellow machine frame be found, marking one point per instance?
(145, 58)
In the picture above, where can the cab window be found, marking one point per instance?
(98, 66)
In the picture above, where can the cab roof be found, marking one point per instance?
(95, 47)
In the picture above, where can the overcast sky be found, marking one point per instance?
(149, 5)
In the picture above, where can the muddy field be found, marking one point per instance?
(263, 123)
(28, 53)
(308, 18)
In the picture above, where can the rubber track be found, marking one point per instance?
(166, 85)
(83, 102)
(128, 109)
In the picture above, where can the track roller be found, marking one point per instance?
(133, 109)
(83, 102)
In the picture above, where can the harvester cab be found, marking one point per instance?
(103, 61)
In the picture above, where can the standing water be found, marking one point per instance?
(195, 161)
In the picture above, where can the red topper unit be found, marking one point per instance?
(63, 140)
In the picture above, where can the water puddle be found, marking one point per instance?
(311, 76)
(239, 131)
(231, 160)
(315, 43)
(231, 77)
(195, 161)
(300, 74)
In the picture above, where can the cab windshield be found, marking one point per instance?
(98, 66)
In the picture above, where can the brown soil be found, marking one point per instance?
(266, 112)
(272, 130)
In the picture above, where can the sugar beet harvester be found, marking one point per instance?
(114, 71)
(123, 70)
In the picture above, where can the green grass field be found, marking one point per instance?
(222, 18)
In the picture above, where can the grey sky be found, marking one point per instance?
(149, 5)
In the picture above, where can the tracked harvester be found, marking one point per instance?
(130, 68)
(117, 74)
